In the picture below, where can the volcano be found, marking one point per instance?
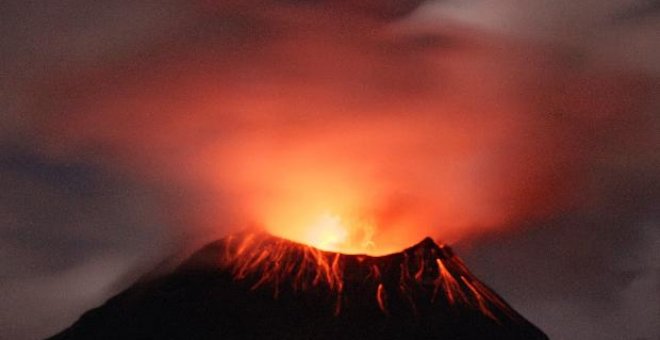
(257, 286)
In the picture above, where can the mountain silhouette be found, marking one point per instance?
(257, 286)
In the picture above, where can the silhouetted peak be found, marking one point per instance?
(254, 285)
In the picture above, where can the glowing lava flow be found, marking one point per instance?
(272, 260)
(426, 270)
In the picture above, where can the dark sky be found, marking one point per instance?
(113, 115)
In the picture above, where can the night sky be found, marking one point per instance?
(526, 135)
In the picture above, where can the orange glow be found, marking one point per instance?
(344, 133)
(327, 233)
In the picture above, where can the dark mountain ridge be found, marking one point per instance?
(256, 286)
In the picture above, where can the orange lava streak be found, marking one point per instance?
(448, 283)
(483, 307)
(381, 297)
(374, 273)
(279, 264)
(270, 260)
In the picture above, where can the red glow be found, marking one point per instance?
(340, 131)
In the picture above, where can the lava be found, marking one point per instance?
(446, 282)
(277, 265)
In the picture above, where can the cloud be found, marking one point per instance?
(236, 113)
(615, 34)
(273, 108)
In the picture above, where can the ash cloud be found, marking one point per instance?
(162, 125)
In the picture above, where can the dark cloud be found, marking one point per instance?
(69, 231)
(134, 128)
(588, 267)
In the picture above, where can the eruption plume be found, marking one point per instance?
(292, 117)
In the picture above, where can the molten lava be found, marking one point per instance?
(275, 263)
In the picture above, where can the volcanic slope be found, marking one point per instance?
(256, 286)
